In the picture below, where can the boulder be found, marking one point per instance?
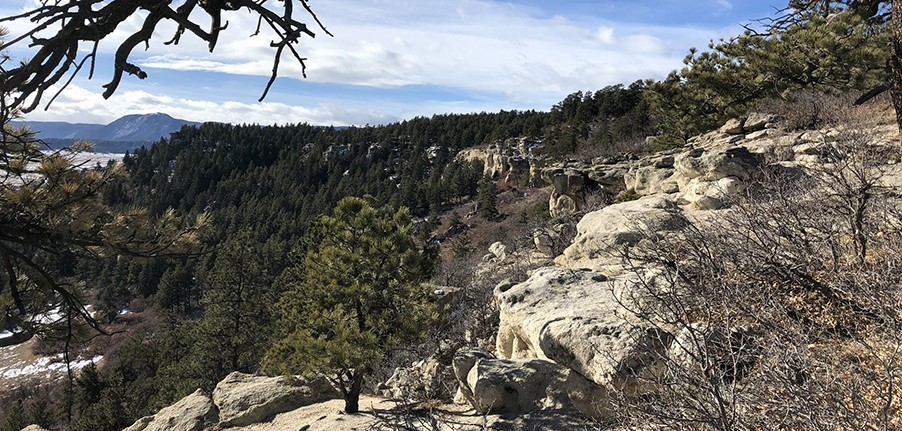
(736, 162)
(609, 177)
(713, 195)
(569, 190)
(192, 413)
(647, 180)
(579, 320)
(34, 428)
(757, 135)
(714, 164)
(499, 250)
(602, 235)
(493, 385)
(544, 241)
(756, 121)
(732, 127)
(244, 399)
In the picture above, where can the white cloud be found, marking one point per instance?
(474, 46)
(605, 35)
(76, 101)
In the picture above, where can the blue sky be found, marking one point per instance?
(396, 59)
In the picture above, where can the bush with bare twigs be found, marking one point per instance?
(783, 312)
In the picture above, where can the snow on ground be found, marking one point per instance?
(88, 160)
(18, 363)
(46, 366)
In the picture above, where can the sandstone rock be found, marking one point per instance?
(732, 127)
(463, 362)
(757, 135)
(191, 413)
(609, 176)
(710, 195)
(756, 121)
(810, 149)
(526, 385)
(664, 162)
(688, 165)
(381, 414)
(601, 235)
(245, 399)
(727, 140)
(670, 187)
(518, 171)
(499, 250)
(512, 160)
(577, 319)
(716, 163)
(568, 195)
(544, 242)
(648, 180)
(735, 162)
(560, 205)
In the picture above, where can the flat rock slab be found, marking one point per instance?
(244, 399)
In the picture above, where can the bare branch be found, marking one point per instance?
(90, 21)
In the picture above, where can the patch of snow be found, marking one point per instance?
(44, 365)
(50, 316)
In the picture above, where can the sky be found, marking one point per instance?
(391, 60)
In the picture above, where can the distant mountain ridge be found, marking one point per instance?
(134, 129)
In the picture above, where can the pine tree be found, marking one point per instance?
(232, 335)
(487, 199)
(356, 296)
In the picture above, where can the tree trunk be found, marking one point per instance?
(896, 60)
(352, 396)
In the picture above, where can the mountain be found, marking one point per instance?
(130, 131)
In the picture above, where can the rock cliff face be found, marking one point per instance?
(713, 166)
(514, 161)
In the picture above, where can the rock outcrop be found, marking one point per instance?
(513, 161)
(568, 194)
(244, 399)
(191, 413)
(549, 317)
(238, 400)
(601, 236)
(698, 177)
(493, 385)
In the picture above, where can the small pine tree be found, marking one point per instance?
(231, 336)
(487, 198)
(455, 223)
(357, 295)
